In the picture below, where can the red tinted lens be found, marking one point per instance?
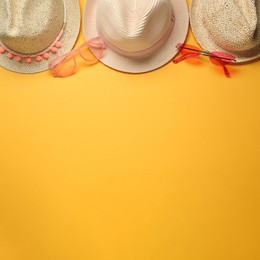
(220, 58)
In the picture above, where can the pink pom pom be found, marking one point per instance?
(46, 56)
(54, 50)
(38, 58)
(28, 60)
(2, 50)
(58, 45)
(10, 55)
(18, 58)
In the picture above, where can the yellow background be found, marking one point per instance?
(109, 166)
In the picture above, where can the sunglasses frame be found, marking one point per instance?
(94, 43)
(221, 60)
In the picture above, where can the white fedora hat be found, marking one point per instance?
(140, 35)
(32, 33)
(227, 26)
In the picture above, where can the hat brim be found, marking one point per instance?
(204, 38)
(157, 59)
(68, 40)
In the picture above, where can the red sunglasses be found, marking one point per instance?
(217, 58)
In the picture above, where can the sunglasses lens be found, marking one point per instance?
(220, 58)
(188, 49)
(65, 68)
(91, 55)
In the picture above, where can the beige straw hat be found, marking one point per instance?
(33, 32)
(231, 26)
(140, 35)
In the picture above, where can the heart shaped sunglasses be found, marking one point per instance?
(216, 57)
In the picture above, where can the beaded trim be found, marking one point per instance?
(37, 56)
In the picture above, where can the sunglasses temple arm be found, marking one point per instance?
(225, 69)
(185, 56)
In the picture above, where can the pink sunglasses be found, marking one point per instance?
(217, 58)
(65, 65)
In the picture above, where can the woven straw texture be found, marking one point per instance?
(134, 26)
(29, 26)
(231, 26)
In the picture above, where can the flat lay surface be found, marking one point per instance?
(105, 165)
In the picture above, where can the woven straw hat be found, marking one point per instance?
(32, 33)
(231, 26)
(140, 34)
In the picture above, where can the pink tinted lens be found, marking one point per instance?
(97, 51)
(221, 58)
(89, 55)
(66, 68)
(57, 61)
(93, 50)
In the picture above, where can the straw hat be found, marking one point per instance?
(32, 33)
(140, 34)
(228, 26)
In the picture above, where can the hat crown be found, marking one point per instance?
(30, 26)
(134, 25)
(234, 24)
